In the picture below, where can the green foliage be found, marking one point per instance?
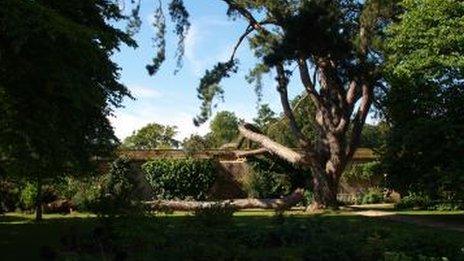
(152, 136)
(265, 117)
(83, 192)
(278, 128)
(257, 237)
(423, 201)
(305, 29)
(28, 196)
(179, 17)
(195, 143)
(119, 189)
(209, 88)
(425, 68)
(413, 200)
(87, 194)
(180, 178)
(374, 136)
(112, 193)
(427, 42)
(372, 196)
(224, 128)
(120, 181)
(364, 173)
(273, 178)
(58, 83)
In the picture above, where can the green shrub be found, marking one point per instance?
(267, 184)
(88, 192)
(446, 206)
(272, 178)
(28, 196)
(84, 192)
(119, 189)
(180, 178)
(373, 196)
(364, 173)
(414, 200)
(421, 201)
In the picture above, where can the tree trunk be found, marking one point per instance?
(38, 200)
(325, 191)
(278, 204)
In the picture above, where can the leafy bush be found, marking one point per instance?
(267, 184)
(27, 196)
(414, 200)
(421, 201)
(87, 195)
(119, 189)
(364, 173)
(272, 177)
(180, 178)
(373, 196)
(446, 206)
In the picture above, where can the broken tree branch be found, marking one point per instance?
(248, 153)
(247, 130)
(278, 204)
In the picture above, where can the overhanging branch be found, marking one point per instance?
(249, 132)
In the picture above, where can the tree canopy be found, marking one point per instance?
(425, 71)
(224, 128)
(58, 84)
(152, 136)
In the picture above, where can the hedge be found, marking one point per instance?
(180, 178)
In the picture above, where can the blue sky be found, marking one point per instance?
(172, 99)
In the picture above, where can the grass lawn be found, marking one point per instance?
(249, 235)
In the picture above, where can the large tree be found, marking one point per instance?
(333, 47)
(224, 128)
(152, 136)
(424, 106)
(58, 85)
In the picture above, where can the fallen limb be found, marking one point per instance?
(278, 204)
(248, 153)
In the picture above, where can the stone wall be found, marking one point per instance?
(231, 171)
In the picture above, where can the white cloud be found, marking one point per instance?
(144, 92)
(191, 42)
(125, 122)
(201, 34)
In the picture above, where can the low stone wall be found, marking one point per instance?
(231, 170)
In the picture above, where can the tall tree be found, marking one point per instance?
(57, 85)
(425, 69)
(152, 136)
(196, 143)
(333, 45)
(224, 128)
(265, 117)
